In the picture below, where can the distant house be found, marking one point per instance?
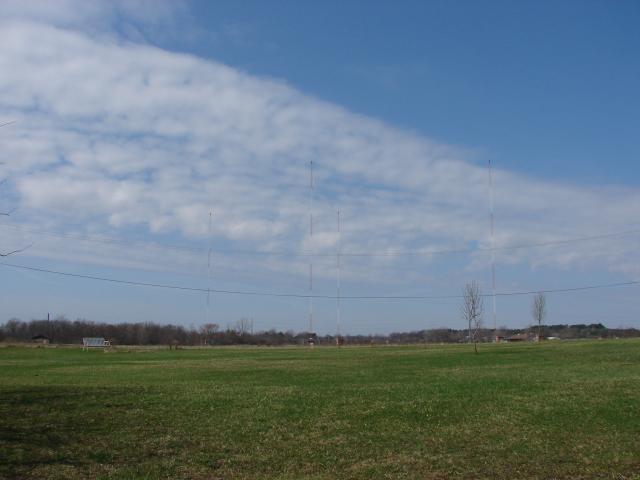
(42, 339)
(541, 338)
(520, 337)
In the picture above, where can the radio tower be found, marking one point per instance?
(338, 282)
(311, 336)
(209, 265)
(493, 252)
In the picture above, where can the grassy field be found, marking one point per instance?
(555, 410)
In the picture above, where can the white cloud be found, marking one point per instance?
(116, 136)
(135, 19)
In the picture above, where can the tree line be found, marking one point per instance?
(64, 331)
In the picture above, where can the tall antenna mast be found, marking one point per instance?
(311, 249)
(209, 264)
(338, 281)
(493, 251)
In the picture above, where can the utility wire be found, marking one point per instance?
(489, 249)
(101, 240)
(296, 295)
(187, 248)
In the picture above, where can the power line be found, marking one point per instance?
(188, 248)
(297, 295)
(101, 240)
(489, 249)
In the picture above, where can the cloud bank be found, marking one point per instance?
(120, 138)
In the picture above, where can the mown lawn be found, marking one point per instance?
(555, 410)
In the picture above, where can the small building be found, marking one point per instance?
(520, 337)
(41, 339)
(312, 339)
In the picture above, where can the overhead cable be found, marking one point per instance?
(300, 295)
(188, 248)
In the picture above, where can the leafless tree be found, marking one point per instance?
(6, 254)
(8, 214)
(472, 309)
(13, 252)
(244, 326)
(208, 332)
(539, 310)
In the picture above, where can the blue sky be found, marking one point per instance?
(531, 84)
(135, 119)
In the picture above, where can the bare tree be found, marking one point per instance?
(472, 309)
(8, 213)
(208, 332)
(539, 310)
(244, 326)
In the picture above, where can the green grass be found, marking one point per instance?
(555, 410)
